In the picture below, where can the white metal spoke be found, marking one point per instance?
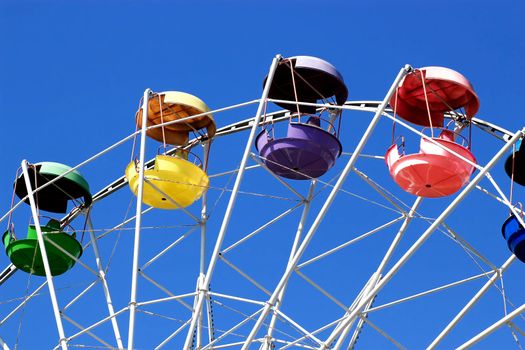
(41, 244)
(164, 289)
(202, 250)
(430, 291)
(80, 295)
(466, 245)
(138, 221)
(76, 324)
(297, 240)
(323, 328)
(231, 202)
(298, 326)
(493, 328)
(96, 324)
(516, 328)
(302, 346)
(234, 171)
(471, 303)
(231, 330)
(383, 333)
(245, 275)
(350, 242)
(23, 303)
(3, 345)
(236, 298)
(342, 328)
(162, 300)
(168, 248)
(491, 195)
(357, 331)
(261, 228)
(324, 292)
(506, 201)
(173, 335)
(378, 190)
(254, 157)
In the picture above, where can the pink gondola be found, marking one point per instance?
(446, 90)
(434, 171)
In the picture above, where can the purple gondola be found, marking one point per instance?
(308, 150)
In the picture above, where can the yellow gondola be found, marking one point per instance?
(172, 183)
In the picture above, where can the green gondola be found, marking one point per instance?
(25, 253)
(62, 248)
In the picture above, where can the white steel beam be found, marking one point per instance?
(92, 335)
(105, 286)
(277, 177)
(202, 257)
(429, 291)
(378, 272)
(231, 202)
(268, 345)
(138, 221)
(493, 328)
(3, 345)
(43, 252)
(471, 303)
(350, 242)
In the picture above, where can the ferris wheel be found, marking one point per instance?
(324, 223)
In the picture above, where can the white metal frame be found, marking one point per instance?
(200, 320)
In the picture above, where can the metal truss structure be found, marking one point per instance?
(222, 274)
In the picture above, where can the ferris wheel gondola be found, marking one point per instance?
(56, 185)
(442, 165)
(310, 147)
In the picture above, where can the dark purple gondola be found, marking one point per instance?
(308, 150)
(314, 80)
(515, 164)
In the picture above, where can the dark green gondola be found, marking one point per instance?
(54, 198)
(25, 253)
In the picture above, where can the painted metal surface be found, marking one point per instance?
(173, 106)
(314, 79)
(25, 253)
(54, 198)
(515, 165)
(444, 90)
(514, 234)
(434, 171)
(181, 180)
(306, 152)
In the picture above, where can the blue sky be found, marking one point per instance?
(72, 74)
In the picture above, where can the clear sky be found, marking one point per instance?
(73, 72)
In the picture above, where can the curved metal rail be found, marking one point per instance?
(275, 117)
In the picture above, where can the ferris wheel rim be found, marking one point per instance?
(356, 105)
